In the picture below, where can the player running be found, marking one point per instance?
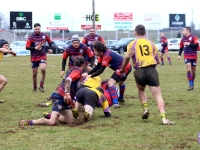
(62, 98)
(189, 43)
(109, 58)
(4, 49)
(36, 44)
(144, 55)
(75, 50)
(164, 49)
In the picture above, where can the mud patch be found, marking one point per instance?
(9, 131)
(182, 146)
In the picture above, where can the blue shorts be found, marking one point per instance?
(59, 103)
(192, 61)
(35, 64)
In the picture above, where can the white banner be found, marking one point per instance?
(153, 21)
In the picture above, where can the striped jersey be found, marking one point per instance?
(111, 59)
(73, 53)
(189, 52)
(90, 39)
(33, 41)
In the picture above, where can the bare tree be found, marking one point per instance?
(3, 22)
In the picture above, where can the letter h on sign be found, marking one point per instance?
(90, 17)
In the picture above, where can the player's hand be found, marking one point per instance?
(121, 71)
(84, 75)
(62, 74)
(179, 57)
(50, 51)
(186, 43)
(13, 53)
(88, 76)
(67, 98)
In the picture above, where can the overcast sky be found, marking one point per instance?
(75, 10)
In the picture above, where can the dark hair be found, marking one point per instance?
(92, 28)
(2, 42)
(99, 46)
(188, 29)
(100, 89)
(79, 61)
(36, 24)
(140, 30)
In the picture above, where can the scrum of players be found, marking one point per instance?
(81, 89)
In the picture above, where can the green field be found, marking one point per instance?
(125, 130)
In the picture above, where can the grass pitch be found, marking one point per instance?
(124, 130)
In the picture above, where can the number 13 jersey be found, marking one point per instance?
(144, 53)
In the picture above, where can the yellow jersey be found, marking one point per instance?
(93, 82)
(144, 53)
(1, 55)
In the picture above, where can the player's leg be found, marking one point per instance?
(168, 57)
(42, 121)
(161, 57)
(34, 76)
(122, 86)
(3, 82)
(194, 64)
(113, 90)
(140, 79)
(189, 73)
(154, 86)
(66, 117)
(43, 74)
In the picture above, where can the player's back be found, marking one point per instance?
(145, 52)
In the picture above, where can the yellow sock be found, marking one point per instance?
(86, 116)
(144, 106)
(163, 115)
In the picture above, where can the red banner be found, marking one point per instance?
(87, 27)
(57, 28)
(123, 17)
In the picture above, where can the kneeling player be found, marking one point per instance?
(62, 98)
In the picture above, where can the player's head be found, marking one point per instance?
(92, 31)
(140, 30)
(186, 31)
(162, 34)
(99, 48)
(4, 44)
(37, 27)
(100, 89)
(75, 41)
(79, 61)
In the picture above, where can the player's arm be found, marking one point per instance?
(156, 54)
(181, 48)
(73, 76)
(194, 43)
(49, 41)
(64, 60)
(4, 50)
(102, 40)
(91, 56)
(129, 54)
(28, 45)
(104, 63)
(84, 41)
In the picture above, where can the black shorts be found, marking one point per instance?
(36, 64)
(87, 97)
(146, 76)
